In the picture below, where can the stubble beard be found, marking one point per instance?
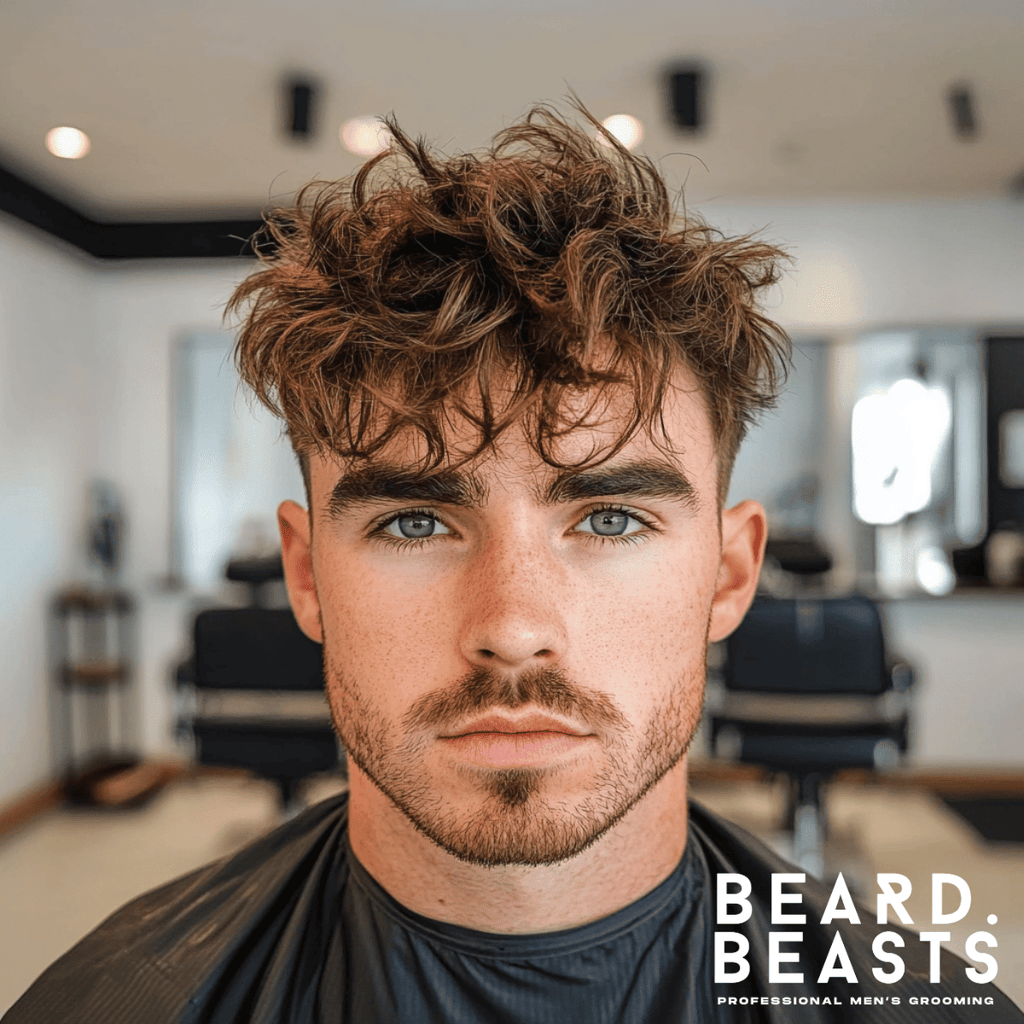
(515, 823)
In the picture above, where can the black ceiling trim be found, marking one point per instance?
(124, 240)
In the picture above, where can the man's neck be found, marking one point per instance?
(630, 860)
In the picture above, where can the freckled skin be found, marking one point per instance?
(514, 605)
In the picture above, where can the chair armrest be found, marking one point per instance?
(901, 673)
(844, 710)
(280, 708)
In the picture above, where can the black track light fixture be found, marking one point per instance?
(961, 111)
(687, 96)
(301, 96)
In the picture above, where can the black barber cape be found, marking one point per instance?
(293, 930)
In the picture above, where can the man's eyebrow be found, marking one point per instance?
(380, 483)
(646, 478)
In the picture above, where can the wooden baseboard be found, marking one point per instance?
(952, 782)
(966, 782)
(30, 805)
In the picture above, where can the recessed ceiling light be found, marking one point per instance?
(625, 128)
(67, 143)
(365, 136)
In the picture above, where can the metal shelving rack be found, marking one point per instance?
(93, 642)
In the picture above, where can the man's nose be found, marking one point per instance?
(514, 605)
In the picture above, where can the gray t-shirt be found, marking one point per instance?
(293, 930)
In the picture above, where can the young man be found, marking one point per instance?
(516, 387)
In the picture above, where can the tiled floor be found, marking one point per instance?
(63, 874)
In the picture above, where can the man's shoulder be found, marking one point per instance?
(838, 955)
(210, 935)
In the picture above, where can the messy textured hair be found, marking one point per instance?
(494, 286)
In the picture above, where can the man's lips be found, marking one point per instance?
(532, 723)
(496, 741)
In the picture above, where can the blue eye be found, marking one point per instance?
(610, 522)
(415, 526)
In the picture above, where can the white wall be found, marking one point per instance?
(968, 651)
(867, 263)
(91, 346)
(84, 393)
(142, 310)
(47, 429)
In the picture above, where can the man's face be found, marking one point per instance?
(515, 654)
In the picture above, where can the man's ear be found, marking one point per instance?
(744, 533)
(297, 554)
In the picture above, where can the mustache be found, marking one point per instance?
(482, 689)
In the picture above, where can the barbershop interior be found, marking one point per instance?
(161, 707)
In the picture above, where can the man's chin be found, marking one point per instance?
(516, 823)
(519, 836)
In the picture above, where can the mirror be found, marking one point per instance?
(232, 464)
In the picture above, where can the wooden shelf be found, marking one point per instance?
(95, 674)
(86, 599)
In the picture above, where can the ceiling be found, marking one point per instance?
(182, 99)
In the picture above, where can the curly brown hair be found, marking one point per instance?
(490, 286)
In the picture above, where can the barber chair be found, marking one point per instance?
(256, 695)
(261, 575)
(806, 689)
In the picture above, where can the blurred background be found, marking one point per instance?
(881, 143)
